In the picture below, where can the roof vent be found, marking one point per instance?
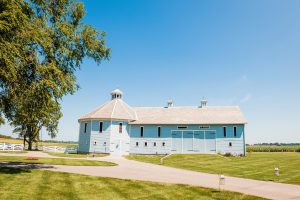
(203, 103)
(116, 94)
(169, 103)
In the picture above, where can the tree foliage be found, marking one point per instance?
(42, 44)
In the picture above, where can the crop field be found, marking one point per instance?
(273, 148)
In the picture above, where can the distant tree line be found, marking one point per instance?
(274, 144)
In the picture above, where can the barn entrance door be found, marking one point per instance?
(177, 141)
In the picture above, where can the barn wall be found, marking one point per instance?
(84, 137)
(99, 142)
(190, 140)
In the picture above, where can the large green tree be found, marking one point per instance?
(42, 44)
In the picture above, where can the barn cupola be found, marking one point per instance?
(169, 103)
(116, 94)
(203, 103)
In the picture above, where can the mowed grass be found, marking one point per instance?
(71, 155)
(13, 152)
(37, 184)
(20, 141)
(55, 161)
(258, 166)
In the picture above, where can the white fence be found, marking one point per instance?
(4, 146)
(11, 147)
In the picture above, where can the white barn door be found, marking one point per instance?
(176, 141)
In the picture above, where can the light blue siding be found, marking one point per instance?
(84, 137)
(100, 141)
(193, 139)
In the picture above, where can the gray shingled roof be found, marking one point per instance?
(118, 109)
(189, 115)
(114, 109)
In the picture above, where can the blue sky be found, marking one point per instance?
(244, 53)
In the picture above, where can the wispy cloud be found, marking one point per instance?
(246, 98)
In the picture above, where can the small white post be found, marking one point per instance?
(221, 181)
(276, 171)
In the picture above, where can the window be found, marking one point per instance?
(158, 131)
(146, 144)
(85, 127)
(224, 131)
(136, 144)
(204, 127)
(181, 127)
(154, 144)
(234, 131)
(104, 143)
(163, 144)
(230, 144)
(100, 127)
(95, 143)
(120, 127)
(142, 131)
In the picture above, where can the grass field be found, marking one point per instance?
(70, 155)
(55, 161)
(19, 141)
(37, 184)
(13, 152)
(258, 166)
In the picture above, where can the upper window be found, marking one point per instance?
(234, 131)
(224, 131)
(100, 127)
(230, 144)
(181, 127)
(85, 127)
(154, 144)
(146, 144)
(137, 144)
(163, 144)
(158, 131)
(204, 127)
(120, 127)
(142, 131)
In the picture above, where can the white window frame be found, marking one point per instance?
(224, 133)
(101, 131)
(141, 131)
(159, 132)
(85, 127)
(235, 133)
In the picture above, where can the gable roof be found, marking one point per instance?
(119, 110)
(114, 109)
(189, 115)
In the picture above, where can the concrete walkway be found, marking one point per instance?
(134, 170)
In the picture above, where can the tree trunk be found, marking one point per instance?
(29, 144)
(24, 140)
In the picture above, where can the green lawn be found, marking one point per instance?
(258, 166)
(55, 161)
(75, 155)
(37, 184)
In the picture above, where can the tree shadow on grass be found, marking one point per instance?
(20, 167)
